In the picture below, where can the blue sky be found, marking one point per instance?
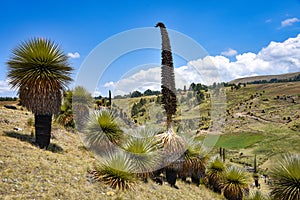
(237, 34)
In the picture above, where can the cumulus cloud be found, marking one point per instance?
(110, 84)
(276, 58)
(151, 79)
(229, 52)
(74, 55)
(97, 93)
(4, 88)
(289, 22)
(142, 80)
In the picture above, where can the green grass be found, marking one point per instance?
(237, 141)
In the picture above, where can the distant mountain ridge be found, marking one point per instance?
(266, 78)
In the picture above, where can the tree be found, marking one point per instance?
(286, 178)
(149, 92)
(38, 68)
(200, 97)
(192, 86)
(136, 94)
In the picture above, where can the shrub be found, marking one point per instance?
(194, 164)
(214, 174)
(257, 195)
(102, 128)
(235, 183)
(142, 149)
(116, 170)
(286, 178)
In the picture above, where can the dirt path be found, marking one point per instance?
(256, 118)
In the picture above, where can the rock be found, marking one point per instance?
(18, 129)
(4, 121)
(110, 193)
(10, 107)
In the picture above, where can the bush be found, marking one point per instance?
(286, 178)
(116, 170)
(235, 184)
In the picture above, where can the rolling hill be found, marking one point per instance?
(260, 119)
(266, 78)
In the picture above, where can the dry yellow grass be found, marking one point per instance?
(27, 172)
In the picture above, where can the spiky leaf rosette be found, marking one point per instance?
(39, 69)
(82, 101)
(235, 183)
(214, 174)
(168, 89)
(257, 195)
(286, 178)
(194, 159)
(102, 132)
(143, 150)
(117, 170)
(66, 117)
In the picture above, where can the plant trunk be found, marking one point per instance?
(43, 130)
(171, 176)
(195, 179)
(109, 98)
(256, 182)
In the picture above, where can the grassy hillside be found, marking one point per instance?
(262, 119)
(267, 78)
(28, 172)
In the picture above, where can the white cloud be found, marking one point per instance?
(110, 84)
(141, 81)
(289, 22)
(74, 55)
(151, 79)
(276, 58)
(4, 87)
(96, 93)
(229, 52)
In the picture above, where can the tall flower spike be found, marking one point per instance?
(168, 89)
